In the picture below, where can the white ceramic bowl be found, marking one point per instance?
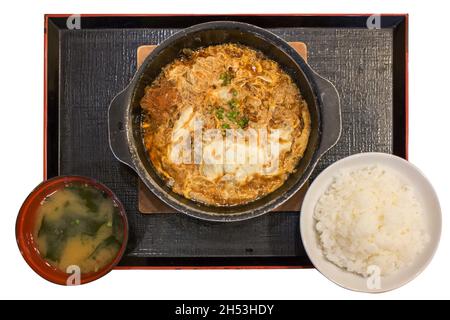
(426, 195)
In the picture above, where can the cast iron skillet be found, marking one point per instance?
(125, 112)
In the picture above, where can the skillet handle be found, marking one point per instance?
(331, 113)
(117, 128)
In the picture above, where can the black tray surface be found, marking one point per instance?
(87, 67)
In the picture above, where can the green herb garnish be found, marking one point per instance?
(234, 92)
(226, 78)
(232, 115)
(219, 113)
(233, 103)
(225, 126)
(243, 122)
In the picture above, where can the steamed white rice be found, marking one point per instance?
(370, 217)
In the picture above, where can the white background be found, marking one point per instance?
(21, 76)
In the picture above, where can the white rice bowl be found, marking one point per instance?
(353, 241)
(369, 218)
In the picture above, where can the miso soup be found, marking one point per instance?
(79, 225)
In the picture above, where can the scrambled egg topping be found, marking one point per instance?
(224, 125)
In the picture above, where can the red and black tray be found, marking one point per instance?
(86, 67)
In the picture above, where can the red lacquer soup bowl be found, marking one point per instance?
(26, 224)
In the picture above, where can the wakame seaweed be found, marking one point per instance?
(69, 225)
(111, 241)
(89, 196)
(80, 225)
(55, 239)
